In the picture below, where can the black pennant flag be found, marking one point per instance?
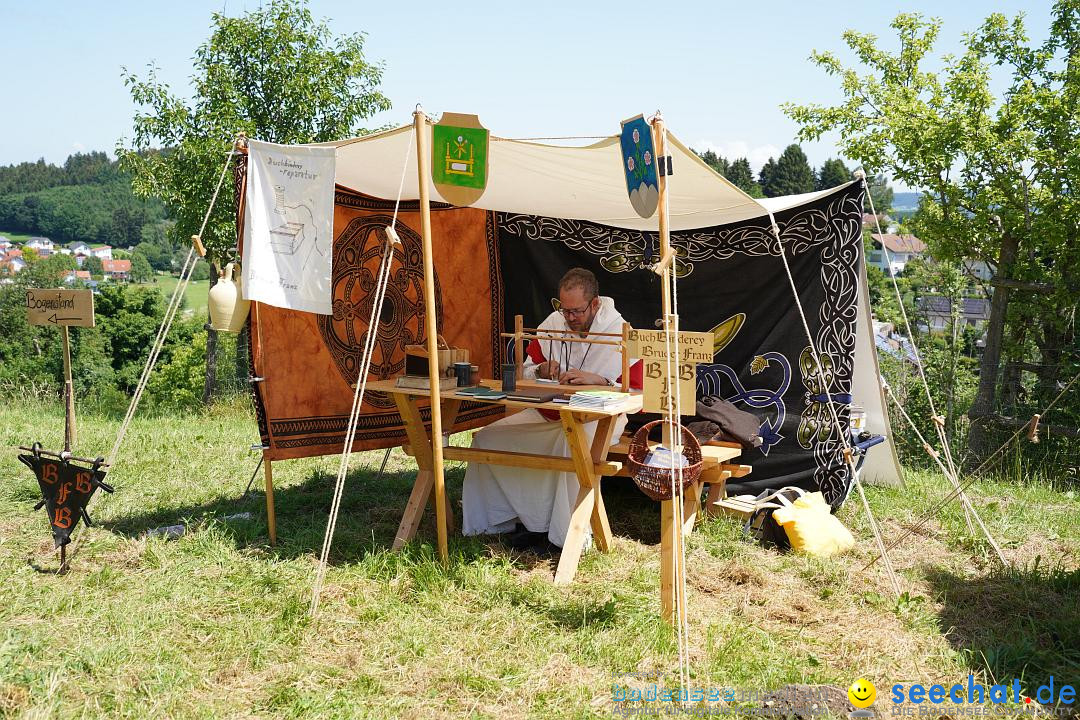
(66, 489)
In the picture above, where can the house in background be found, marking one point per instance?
(973, 312)
(893, 343)
(871, 222)
(11, 262)
(80, 275)
(117, 269)
(979, 270)
(43, 246)
(101, 251)
(902, 249)
(80, 250)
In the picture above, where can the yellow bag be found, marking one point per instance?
(811, 527)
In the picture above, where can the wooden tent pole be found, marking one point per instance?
(431, 328)
(673, 604)
(519, 347)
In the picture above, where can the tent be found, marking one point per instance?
(549, 207)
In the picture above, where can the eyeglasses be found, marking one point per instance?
(569, 312)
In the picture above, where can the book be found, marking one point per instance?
(423, 382)
(481, 393)
(527, 395)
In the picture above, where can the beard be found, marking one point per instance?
(581, 326)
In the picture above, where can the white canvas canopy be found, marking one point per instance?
(582, 183)
(587, 183)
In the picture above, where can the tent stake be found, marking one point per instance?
(431, 328)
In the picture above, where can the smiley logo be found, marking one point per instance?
(862, 693)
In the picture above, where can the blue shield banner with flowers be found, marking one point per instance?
(639, 165)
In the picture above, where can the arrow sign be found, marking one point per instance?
(58, 306)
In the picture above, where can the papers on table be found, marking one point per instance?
(600, 400)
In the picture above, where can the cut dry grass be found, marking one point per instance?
(215, 624)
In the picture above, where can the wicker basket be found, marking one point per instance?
(656, 481)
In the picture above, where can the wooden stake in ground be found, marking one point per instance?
(69, 396)
(431, 328)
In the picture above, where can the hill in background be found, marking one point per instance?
(86, 199)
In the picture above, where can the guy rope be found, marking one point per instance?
(974, 475)
(848, 453)
(948, 468)
(171, 309)
(358, 396)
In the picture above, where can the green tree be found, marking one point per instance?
(156, 245)
(201, 271)
(92, 264)
(999, 171)
(130, 317)
(765, 178)
(880, 194)
(833, 172)
(177, 384)
(792, 175)
(740, 175)
(716, 162)
(140, 268)
(275, 74)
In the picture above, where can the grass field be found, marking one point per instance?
(214, 624)
(195, 295)
(18, 238)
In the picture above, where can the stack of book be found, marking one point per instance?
(599, 400)
(423, 382)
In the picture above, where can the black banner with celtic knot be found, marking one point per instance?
(731, 281)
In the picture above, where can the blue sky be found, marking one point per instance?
(718, 70)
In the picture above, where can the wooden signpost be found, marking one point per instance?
(66, 488)
(62, 308)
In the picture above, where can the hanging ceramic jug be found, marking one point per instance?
(228, 308)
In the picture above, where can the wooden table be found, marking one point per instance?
(588, 462)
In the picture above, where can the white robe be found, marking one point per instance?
(494, 497)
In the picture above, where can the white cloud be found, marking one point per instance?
(735, 149)
(78, 147)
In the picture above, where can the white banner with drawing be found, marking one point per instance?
(289, 226)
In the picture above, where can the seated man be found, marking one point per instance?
(496, 498)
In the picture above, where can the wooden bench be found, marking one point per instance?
(716, 472)
(717, 469)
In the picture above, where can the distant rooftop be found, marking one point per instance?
(974, 308)
(900, 243)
